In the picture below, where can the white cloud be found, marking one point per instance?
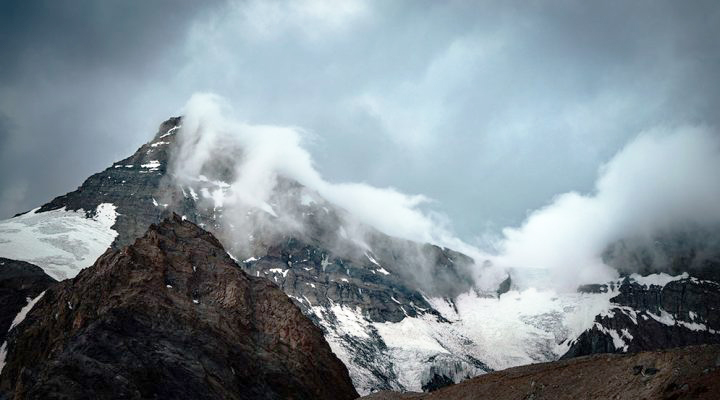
(413, 112)
(260, 153)
(267, 20)
(661, 180)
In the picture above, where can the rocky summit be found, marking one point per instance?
(169, 316)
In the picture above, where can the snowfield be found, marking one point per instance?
(61, 242)
(475, 331)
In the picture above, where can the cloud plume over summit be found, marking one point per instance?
(662, 180)
(259, 154)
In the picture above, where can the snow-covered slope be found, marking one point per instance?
(60, 242)
(469, 335)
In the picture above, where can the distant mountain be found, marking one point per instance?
(170, 316)
(678, 307)
(650, 314)
(392, 326)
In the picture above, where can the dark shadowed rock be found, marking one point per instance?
(19, 282)
(436, 382)
(504, 286)
(170, 316)
(651, 317)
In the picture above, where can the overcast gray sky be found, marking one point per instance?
(490, 108)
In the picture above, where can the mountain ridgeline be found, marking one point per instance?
(400, 315)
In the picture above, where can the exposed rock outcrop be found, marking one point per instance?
(170, 316)
(19, 282)
(651, 317)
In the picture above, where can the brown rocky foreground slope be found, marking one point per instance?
(683, 373)
(169, 317)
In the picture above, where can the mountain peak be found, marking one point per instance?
(170, 316)
(167, 125)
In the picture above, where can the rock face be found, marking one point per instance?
(170, 316)
(19, 282)
(658, 315)
(136, 186)
(685, 373)
(652, 316)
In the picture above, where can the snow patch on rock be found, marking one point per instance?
(170, 131)
(20, 317)
(661, 279)
(152, 165)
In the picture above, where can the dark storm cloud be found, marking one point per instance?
(71, 88)
(86, 34)
(491, 108)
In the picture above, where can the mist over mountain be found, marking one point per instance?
(266, 199)
(252, 161)
(256, 189)
(661, 182)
